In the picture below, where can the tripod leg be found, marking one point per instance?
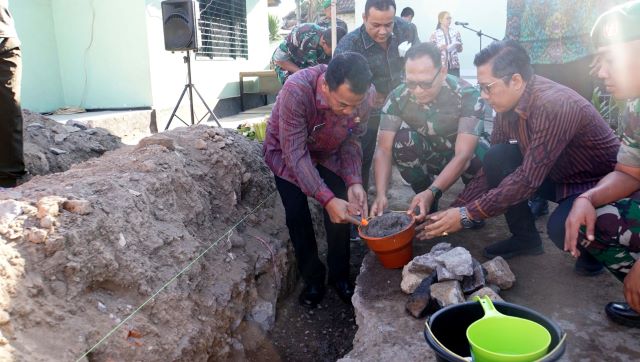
(206, 105)
(173, 114)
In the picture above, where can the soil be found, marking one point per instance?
(387, 224)
(322, 334)
(53, 147)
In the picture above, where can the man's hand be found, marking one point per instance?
(358, 196)
(423, 201)
(379, 205)
(582, 213)
(632, 287)
(440, 224)
(339, 211)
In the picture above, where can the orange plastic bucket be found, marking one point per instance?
(393, 251)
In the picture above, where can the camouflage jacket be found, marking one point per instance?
(456, 109)
(326, 23)
(629, 153)
(302, 48)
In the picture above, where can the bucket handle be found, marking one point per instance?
(488, 307)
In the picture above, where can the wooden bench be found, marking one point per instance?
(266, 82)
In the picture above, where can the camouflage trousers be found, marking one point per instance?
(617, 236)
(419, 161)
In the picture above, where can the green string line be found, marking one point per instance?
(174, 278)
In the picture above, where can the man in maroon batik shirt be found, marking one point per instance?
(313, 148)
(547, 139)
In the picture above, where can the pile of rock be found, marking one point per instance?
(448, 275)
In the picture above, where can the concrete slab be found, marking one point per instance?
(545, 283)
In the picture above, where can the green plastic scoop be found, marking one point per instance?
(501, 338)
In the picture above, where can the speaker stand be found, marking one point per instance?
(191, 87)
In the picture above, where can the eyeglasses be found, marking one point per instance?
(424, 85)
(487, 88)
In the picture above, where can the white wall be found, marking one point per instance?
(490, 16)
(215, 79)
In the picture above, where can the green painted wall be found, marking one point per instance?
(215, 79)
(41, 83)
(104, 62)
(110, 54)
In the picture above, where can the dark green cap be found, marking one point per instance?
(326, 4)
(620, 24)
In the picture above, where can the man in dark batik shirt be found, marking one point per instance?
(546, 139)
(313, 148)
(382, 40)
(307, 45)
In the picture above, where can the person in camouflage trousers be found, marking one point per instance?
(606, 219)
(432, 129)
(306, 46)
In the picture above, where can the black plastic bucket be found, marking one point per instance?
(445, 331)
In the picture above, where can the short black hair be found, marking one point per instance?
(407, 12)
(427, 49)
(380, 5)
(326, 35)
(508, 57)
(351, 68)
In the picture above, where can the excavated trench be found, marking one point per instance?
(83, 249)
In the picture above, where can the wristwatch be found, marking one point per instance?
(464, 219)
(437, 193)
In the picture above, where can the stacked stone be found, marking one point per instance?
(448, 275)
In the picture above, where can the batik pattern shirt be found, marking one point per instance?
(386, 65)
(304, 132)
(561, 136)
(450, 58)
(555, 31)
(302, 48)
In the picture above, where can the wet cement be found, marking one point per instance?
(386, 224)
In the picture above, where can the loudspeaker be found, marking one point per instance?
(180, 24)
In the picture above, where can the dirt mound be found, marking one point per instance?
(81, 250)
(53, 147)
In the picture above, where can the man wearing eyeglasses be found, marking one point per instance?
(442, 136)
(546, 139)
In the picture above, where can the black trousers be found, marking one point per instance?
(502, 160)
(368, 142)
(11, 154)
(302, 236)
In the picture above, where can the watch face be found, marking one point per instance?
(467, 224)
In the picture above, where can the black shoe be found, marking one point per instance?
(538, 206)
(513, 247)
(311, 295)
(344, 288)
(621, 313)
(587, 265)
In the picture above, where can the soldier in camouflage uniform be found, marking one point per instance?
(431, 125)
(307, 45)
(325, 22)
(606, 219)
